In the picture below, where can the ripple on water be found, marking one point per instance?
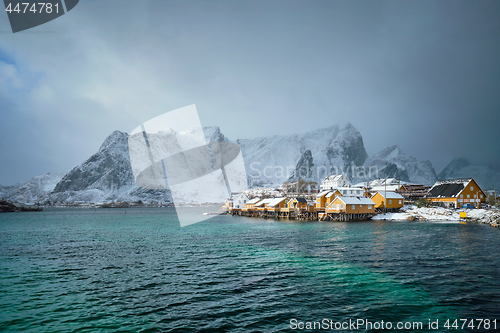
(66, 271)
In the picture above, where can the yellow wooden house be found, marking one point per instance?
(276, 204)
(261, 205)
(456, 193)
(388, 199)
(250, 204)
(351, 205)
(331, 196)
(297, 203)
(321, 200)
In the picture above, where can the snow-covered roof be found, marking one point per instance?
(263, 202)
(275, 202)
(356, 200)
(240, 196)
(463, 181)
(389, 195)
(385, 188)
(320, 194)
(346, 188)
(330, 194)
(253, 201)
(334, 177)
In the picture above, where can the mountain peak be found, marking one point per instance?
(113, 139)
(454, 167)
(389, 153)
(348, 126)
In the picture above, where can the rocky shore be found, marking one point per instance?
(414, 213)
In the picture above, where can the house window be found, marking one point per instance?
(481, 196)
(337, 206)
(400, 202)
(369, 206)
(341, 206)
(468, 196)
(472, 188)
(461, 195)
(475, 196)
(390, 201)
(353, 207)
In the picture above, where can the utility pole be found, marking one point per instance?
(385, 196)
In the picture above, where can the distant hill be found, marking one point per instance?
(488, 177)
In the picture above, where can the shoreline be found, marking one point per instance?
(413, 213)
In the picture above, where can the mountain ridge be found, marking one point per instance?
(107, 175)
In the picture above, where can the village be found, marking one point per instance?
(338, 200)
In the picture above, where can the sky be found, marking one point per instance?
(424, 75)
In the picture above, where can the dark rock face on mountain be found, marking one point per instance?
(305, 168)
(348, 146)
(392, 171)
(107, 169)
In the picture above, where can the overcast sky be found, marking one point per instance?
(421, 74)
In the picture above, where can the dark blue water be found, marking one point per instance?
(136, 270)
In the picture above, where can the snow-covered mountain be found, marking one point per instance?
(5, 191)
(269, 161)
(392, 162)
(37, 189)
(107, 175)
(312, 156)
(488, 177)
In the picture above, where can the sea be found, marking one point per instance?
(137, 270)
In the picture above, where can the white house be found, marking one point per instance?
(239, 200)
(334, 181)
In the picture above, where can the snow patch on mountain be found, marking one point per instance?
(36, 189)
(392, 162)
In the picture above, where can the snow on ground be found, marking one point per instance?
(261, 192)
(411, 212)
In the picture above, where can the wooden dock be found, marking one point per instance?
(300, 215)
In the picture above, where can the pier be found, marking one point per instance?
(300, 214)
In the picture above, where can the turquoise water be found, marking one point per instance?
(136, 270)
